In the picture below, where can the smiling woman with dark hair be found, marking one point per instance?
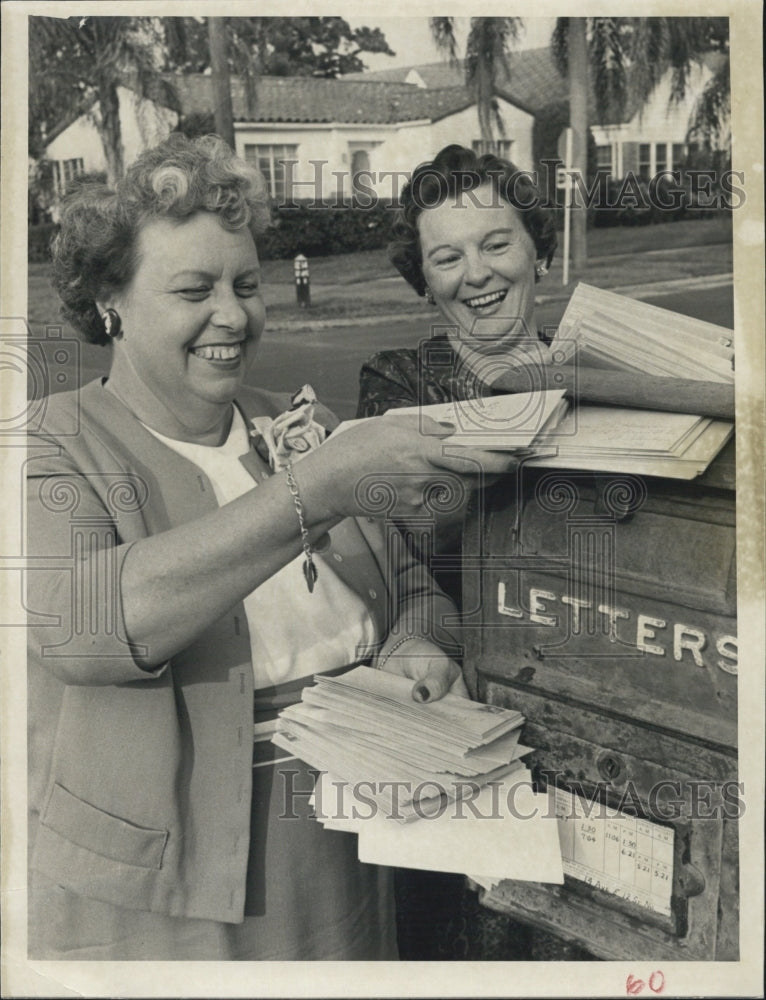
(187, 580)
(472, 237)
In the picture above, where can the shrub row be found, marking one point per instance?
(324, 230)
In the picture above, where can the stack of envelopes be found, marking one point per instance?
(501, 423)
(644, 442)
(365, 726)
(616, 331)
(438, 786)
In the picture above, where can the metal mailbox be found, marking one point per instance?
(604, 609)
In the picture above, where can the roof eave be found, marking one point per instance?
(243, 124)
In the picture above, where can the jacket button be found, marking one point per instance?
(337, 557)
(373, 593)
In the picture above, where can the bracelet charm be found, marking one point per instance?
(309, 567)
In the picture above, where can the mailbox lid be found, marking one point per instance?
(679, 547)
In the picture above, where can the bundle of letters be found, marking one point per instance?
(642, 442)
(439, 785)
(617, 332)
(541, 429)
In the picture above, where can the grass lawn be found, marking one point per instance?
(350, 284)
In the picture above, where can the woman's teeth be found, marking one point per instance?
(215, 352)
(479, 301)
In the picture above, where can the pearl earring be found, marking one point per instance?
(112, 323)
(430, 297)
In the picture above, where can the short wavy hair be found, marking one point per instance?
(456, 169)
(95, 252)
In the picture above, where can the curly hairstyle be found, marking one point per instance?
(454, 170)
(95, 252)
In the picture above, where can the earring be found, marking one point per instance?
(541, 269)
(430, 296)
(112, 323)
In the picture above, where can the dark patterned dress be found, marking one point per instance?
(438, 917)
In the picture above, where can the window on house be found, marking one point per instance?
(65, 171)
(661, 157)
(645, 161)
(270, 160)
(500, 147)
(604, 158)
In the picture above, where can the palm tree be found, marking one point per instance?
(219, 64)
(488, 45)
(78, 63)
(630, 55)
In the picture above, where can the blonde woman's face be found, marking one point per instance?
(193, 314)
(479, 262)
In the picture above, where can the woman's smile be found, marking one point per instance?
(221, 355)
(486, 304)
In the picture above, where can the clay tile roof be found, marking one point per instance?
(309, 99)
(533, 82)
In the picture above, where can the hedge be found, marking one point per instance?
(39, 245)
(323, 230)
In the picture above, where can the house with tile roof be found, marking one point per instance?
(645, 139)
(317, 139)
(326, 139)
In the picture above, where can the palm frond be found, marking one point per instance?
(443, 34)
(608, 65)
(709, 125)
(560, 45)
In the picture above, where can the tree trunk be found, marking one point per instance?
(484, 95)
(578, 119)
(109, 130)
(219, 65)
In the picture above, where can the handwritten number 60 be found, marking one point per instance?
(634, 986)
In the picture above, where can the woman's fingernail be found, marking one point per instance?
(447, 425)
(422, 693)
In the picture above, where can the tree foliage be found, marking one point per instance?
(76, 65)
(276, 46)
(628, 57)
(489, 43)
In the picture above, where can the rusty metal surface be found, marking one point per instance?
(595, 919)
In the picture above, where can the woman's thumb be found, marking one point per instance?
(439, 678)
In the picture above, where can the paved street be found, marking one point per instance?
(331, 357)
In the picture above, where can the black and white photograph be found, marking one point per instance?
(382, 432)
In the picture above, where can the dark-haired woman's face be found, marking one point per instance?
(479, 262)
(191, 318)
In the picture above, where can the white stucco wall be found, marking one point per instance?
(464, 129)
(324, 152)
(143, 123)
(658, 121)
